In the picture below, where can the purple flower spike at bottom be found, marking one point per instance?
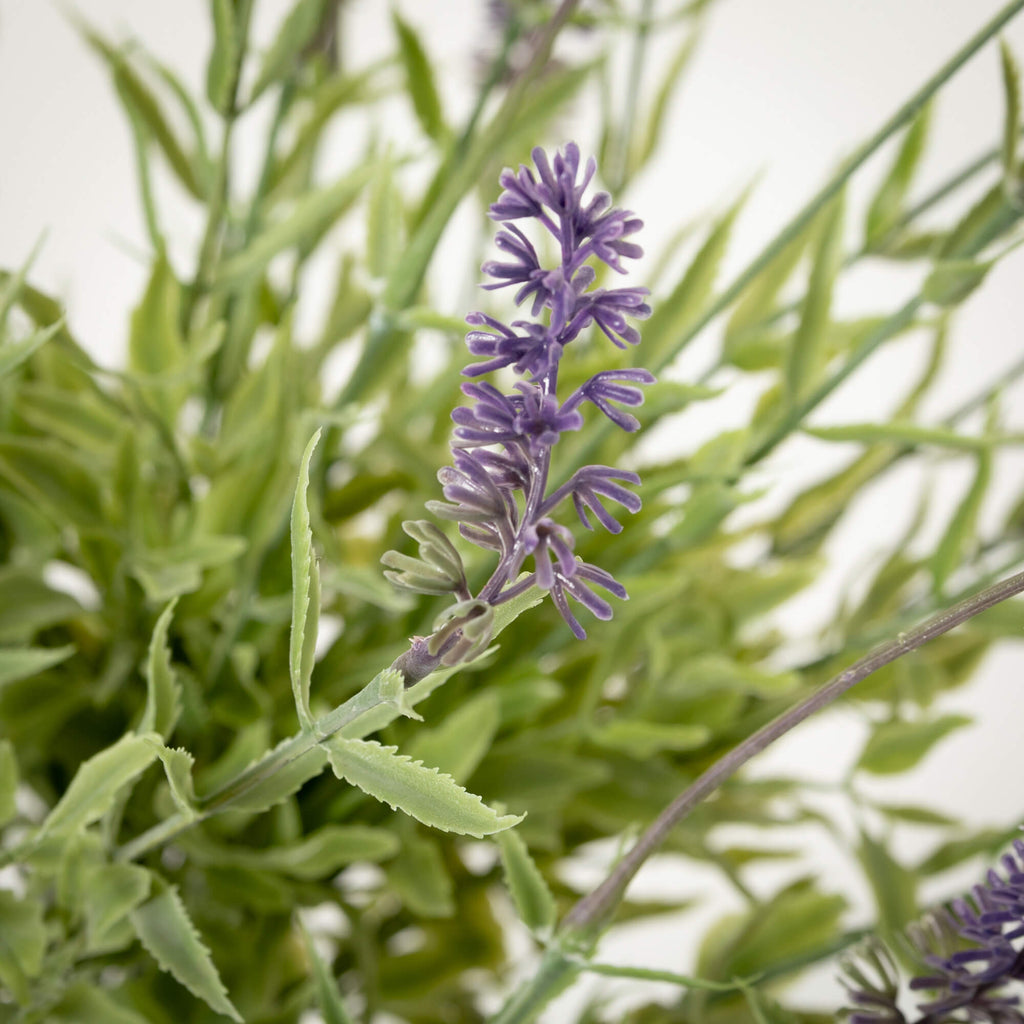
(498, 490)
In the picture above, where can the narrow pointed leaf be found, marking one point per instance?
(98, 781)
(8, 781)
(530, 893)
(960, 534)
(328, 997)
(807, 349)
(13, 354)
(897, 746)
(888, 201)
(220, 68)
(912, 434)
(1011, 119)
(419, 79)
(305, 593)
(167, 932)
(163, 692)
(290, 40)
(407, 785)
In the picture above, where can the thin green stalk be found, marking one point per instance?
(592, 913)
(616, 173)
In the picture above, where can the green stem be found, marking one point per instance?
(555, 973)
(592, 913)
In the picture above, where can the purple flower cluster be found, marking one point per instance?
(970, 951)
(497, 489)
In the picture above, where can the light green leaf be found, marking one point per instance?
(98, 781)
(887, 204)
(645, 739)
(907, 434)
(988, 841)
(459, 743)
(960, 534)
(220, 69)
(384, 220)
(290, 40)
(167, 932)
(311, 215)
(530, 893)
(8, 781)
(270, 790)
(912, 815)
(652, 130)
(109, 892)
(895, 747)
(893, 885)
(178, 765)
(24, 662)
(22, 943)
(328, 996)
(163, 692)
(419, 78)
(952, 281)
(305, 593)
(419, 878)
(1011, 120)
(423, 793)
(13, 354)
(994, 214)
(83, 1003)
(167, 573)
(806, 353)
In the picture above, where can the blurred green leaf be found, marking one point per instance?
(109, 893)
(14, 353)
(384, 223)
(960, 533)
(893, 885)
(25, 662)
(952, 281)
(908, 434)
(8, 781)
(166, 930)
(23, 943)
(642, 740)
(163, 691)
(1011, 119)
(988, 841)
(292, 37)
(406, 785)
(328, 996)
(459, 743)
(419, 80)
(888, 202)
(897, 746)
(83, 1003)
(419, 877)
(530, 893)
(220, 68)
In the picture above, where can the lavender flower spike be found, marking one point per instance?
(499, 490)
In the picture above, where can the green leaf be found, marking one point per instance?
(893, 885)
(178, 764)
(952, 281)
(109, 893)
(83, 1003)
(642, 740)
(384, 221)
(806, 351)
(270, 790)
(1011, 120)
(912, 815)
(887, 204)
(912, 434)
(988, 841)
(991, 217)
(8, 781)
(423, 793)
(895, 747)
(22, 943)
(305, 593)
(419, 878)
(13, 354)
(24, 662)
(294, 35)
(419, 78)
(530, 893)
(961, 532)
(311, 215)
(167, 573)
(328, 997)
(654, 127)
(167, 932)
(98, 781)
(461, 741)
(220, 69)
(163, 692)
(156, 348)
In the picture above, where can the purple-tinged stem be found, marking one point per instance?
(589, 916)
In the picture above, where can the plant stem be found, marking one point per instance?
(591, 914)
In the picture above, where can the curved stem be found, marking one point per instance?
(592, 912)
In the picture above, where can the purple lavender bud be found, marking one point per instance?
(601, 390)
(544, 539)
(532, 352)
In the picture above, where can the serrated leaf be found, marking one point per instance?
(1011, 119)
(8, 781)
(806, 353)
(163, 692)
(896, 747)
(461, 741)
(178, 765)
(423, 793)
(419, 878)
(109, 892)
(290, 40)
(24, 662)
(530, 893)
(887, 204)
(167, 932)
(328, 997)
(311, 215)
(305, 593)
(220, 69)
(98, 781)
(960, 533)
(22, 943)
(911, 434)
(419, 78)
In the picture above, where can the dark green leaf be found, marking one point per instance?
(22, 943)
(328, 996)
(8, 781)
(1011, 119)
(220, 69)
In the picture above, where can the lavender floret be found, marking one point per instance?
(498, 488)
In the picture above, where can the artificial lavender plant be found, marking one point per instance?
(499, 489)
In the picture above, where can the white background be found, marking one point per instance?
(780, 90)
